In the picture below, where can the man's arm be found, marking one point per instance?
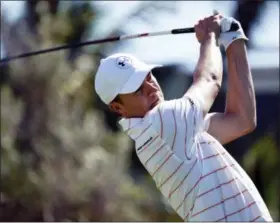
(239, 117)
(208, 73)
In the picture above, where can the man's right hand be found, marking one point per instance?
(207, 26)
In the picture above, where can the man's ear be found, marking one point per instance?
(116, 107)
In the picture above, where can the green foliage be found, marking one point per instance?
(59, 161)
(266, 155)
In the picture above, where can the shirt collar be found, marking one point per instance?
(132, 126)
(129, 123)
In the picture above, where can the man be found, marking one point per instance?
(177, 141)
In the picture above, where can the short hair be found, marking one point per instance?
(117, 99)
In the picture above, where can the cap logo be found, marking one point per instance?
(124, 62)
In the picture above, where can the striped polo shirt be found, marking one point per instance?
(196, 175)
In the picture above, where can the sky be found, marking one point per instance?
(182, 49)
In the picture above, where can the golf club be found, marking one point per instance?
(234, 27)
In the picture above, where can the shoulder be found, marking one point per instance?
(167, 111)
(169, 114)
(174, 106)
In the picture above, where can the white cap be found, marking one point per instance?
(120, 74)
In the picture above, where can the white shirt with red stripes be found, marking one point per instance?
(198, 177)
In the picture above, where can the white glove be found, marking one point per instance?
(226, 38)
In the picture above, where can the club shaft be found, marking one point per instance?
(234, 27)
(92, 42)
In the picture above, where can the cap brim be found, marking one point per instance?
(136, 80)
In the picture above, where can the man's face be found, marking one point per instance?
(138, 103)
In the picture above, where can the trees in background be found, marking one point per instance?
(62, 156)
(59, 160)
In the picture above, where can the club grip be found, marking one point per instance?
(183, 30)
(234, 27)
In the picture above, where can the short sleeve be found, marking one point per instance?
(178, 122)
(206, 122)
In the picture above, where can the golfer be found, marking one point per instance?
(178, 141)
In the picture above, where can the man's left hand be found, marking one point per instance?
(227, 38)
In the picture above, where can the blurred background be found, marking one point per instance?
(63, 157)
